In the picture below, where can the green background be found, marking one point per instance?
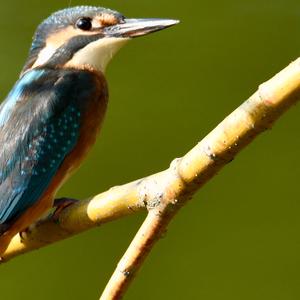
(239, 237)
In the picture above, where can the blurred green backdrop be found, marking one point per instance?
(239, 238)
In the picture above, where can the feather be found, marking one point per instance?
(39, 126)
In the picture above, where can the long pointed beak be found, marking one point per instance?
(137, 27)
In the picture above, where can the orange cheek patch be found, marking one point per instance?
(107, 20)
(59, 38)
(55, 41)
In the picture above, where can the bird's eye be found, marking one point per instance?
(84, 24)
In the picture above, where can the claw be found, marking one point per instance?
(23, 234)
(27, 231)
(60, 204)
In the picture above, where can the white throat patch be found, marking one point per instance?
(97, 54)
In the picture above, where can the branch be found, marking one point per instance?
(83, 215)
(188, 174)
(164, 193)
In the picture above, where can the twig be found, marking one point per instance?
(188, 174)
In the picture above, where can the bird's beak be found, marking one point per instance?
(131, 28)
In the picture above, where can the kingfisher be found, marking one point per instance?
(51, 117)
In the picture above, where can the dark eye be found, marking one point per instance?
(84, 23)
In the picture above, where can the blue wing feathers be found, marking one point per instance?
(8, 105)
(39, 126)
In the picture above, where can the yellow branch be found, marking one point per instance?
(170, 188)
(81, 216)
(188, 174)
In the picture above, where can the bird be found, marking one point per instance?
(51, 118)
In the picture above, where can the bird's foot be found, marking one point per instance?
(60, 204)
(27, 231)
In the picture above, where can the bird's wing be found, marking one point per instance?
(39, 126)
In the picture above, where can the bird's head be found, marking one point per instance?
(86, 36)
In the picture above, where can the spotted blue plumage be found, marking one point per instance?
(39, 125)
